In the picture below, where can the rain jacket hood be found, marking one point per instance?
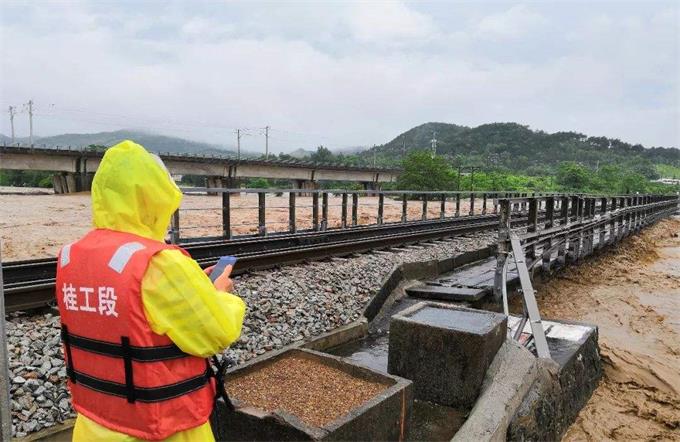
(133, 193)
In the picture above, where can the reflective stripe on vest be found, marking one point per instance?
(120, 259)
(65, 256)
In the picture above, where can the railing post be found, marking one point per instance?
(355, 209)
(612, 222)
(292, 222)
(472, 203)
(404, 208)
(381, 205)
(484, 204)
(574, 207)
(619, 222)
(588, 233)
(261, 214)
(549, 221)
(564, 220)
(502, 251)
(424, 215)
(315, 210)
(442, 207)
(226, 215)
(324, 211)
(174, 228)
(343, 218)
(457, 205)
(532, 226)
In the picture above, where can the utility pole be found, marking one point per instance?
(459, 171)
(238, 144)
(30, 123)
(266, 143)
(434, 143)
(11, 120)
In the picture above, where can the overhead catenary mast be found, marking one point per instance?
(238, 144)
(30, 122)
(12, 112)
(266, 142)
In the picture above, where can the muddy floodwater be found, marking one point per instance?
(633, 295)
(35, 223)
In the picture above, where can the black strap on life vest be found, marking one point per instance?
(131, 353)
(66, 339)
(219, 371)
(141, 394)
(139, 354)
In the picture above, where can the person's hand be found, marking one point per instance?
(223, 282)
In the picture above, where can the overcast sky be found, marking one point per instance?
(342, 74)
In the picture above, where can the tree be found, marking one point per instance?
(572, 176)
(423, 172)
(322, 155)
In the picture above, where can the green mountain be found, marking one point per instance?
(153, 142)
(514, 147)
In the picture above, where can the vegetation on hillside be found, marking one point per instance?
(516, 148)
(504, 156)
(422, 171)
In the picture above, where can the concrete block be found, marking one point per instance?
(384, 417)
(564, 384)
(445, 350)
(507, 381)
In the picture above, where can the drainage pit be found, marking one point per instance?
(305, 395)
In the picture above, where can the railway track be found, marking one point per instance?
(31, 284)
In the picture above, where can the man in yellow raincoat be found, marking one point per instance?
(133, 196)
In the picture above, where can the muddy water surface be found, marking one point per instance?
(633, 295)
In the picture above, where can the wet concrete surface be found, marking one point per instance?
(452, 319)
(370, 352)
(429, 421)
(433, 422)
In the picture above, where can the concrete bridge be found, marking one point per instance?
(73, 168)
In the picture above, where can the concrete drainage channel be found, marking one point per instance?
(433, 380)
(448, 372)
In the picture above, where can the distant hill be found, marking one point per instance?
(516, 147)
(301, 153)
(153, 142)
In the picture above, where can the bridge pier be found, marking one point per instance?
(220, 182)
(65, 183)
(306, 184)
(371, 185)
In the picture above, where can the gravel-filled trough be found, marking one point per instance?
(306, 395)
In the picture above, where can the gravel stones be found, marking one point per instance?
(306, 388)
(284, 305)
(40, 398)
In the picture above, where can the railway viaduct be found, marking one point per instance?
(73, 168)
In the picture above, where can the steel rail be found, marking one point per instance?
(31, 284)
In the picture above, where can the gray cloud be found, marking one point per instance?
(342, 74)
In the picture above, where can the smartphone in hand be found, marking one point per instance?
(223, 262)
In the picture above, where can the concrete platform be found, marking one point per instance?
(466, 284)
(385, 417)
(445, 350)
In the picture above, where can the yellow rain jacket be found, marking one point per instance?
(133, 193)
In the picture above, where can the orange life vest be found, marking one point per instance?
(121, 374)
